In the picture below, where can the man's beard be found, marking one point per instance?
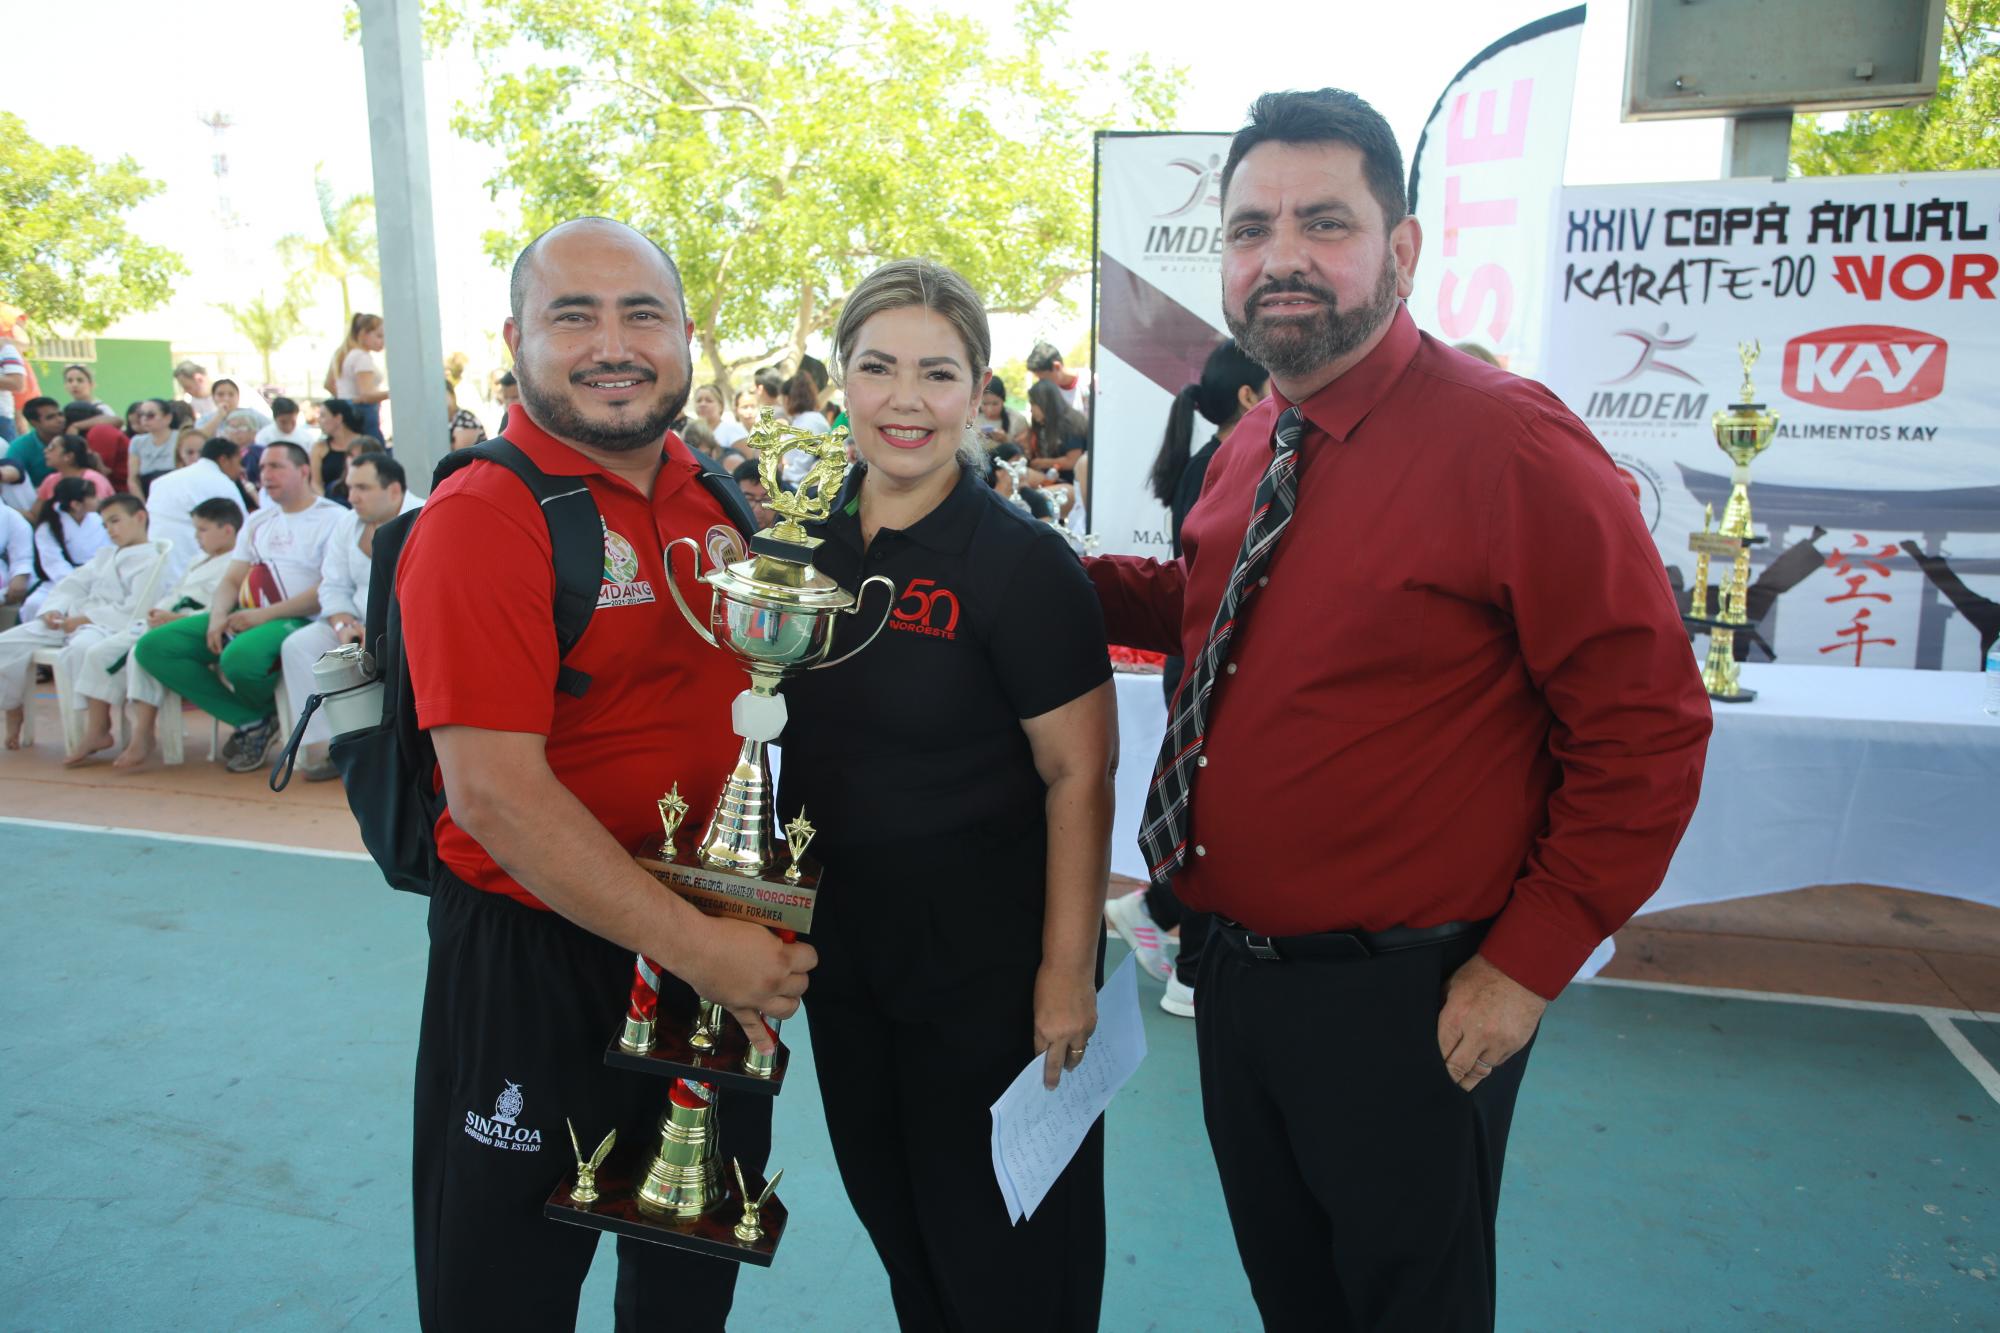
(1292, 347)
(561, 418)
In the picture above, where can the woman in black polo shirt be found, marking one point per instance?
(959, 772)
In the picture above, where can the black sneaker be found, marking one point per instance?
(250, 743)
(233, 744)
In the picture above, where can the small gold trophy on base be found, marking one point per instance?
(584, 1191)
(1742, 431)
(750, 1229)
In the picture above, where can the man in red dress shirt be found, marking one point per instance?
(1452, 740)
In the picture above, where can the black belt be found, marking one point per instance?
(1342, 944)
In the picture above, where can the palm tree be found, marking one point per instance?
(345, 250)
(264, 325)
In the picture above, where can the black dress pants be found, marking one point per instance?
(922, 1012)
(518, 1008)
(1362, 1183)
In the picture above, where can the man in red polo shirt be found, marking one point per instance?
(1439, 734)
(533, 934)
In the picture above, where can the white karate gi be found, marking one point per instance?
(170, 504)
(108, 671)
(82, 540)
(106, 589)
(343, 588)
(17, 547)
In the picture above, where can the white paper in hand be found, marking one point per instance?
(1035, 1130)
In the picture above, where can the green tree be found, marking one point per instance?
(66, 254)
(266, 325)
(780, 151)
(1957, 130)
(344, 250)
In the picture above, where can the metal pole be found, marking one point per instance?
(392, 56)
(1757, 146)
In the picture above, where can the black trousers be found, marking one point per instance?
(518, 1008)
(1362, 1183)
(922, 1012)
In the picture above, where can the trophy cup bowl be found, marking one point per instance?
(1743, 431)
(775, 630)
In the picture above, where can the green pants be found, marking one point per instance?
(176, 654)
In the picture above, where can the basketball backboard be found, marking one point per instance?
(1688, 58)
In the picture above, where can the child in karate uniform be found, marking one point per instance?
(109, 674)
(95, 599)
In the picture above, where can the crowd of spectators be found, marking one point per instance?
(1032, 455)
(206, 545)
(173, 552)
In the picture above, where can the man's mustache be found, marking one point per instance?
(1293, 285)
(627, 369)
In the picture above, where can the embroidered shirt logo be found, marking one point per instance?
(925, 608)
(502, 1130)
(622, 584)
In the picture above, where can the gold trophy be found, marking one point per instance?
(1742, 431)
(775, 614)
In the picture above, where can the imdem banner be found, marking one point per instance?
(1873, 299)
(1159, 315)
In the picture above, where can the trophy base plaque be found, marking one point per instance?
(713, 1233)
(672, 1057)
(775, 900)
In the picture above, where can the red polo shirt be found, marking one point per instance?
(1463, 691)
(477, 586)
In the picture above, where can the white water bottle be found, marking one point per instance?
(1993, 679)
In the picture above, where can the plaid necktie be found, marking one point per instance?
(1163, 828)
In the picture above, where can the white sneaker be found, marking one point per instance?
(1134, 924)
(1179, 999)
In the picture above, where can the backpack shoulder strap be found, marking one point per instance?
(576, 539)
(722, 485)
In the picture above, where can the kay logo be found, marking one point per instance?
(1864, 367)
(502, 1129)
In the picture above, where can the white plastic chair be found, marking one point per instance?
(172, 733)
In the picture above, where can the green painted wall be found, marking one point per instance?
(127, 369)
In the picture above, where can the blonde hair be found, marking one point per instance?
(363, 322)
(902, 283)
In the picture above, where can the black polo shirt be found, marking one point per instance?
(920, 735)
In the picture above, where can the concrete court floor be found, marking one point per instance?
(204, 1069)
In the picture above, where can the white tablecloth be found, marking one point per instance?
(1142, 721)
(1829, 776)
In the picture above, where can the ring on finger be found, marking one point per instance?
(1484, 1068)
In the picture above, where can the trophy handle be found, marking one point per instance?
(889, 588)
(674, 587)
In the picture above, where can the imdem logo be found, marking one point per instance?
(1864, 367)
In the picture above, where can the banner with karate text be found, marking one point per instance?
(1873, 299)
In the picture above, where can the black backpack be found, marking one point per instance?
(387, 769)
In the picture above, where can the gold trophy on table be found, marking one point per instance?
(1742, 430)
(775, 613)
